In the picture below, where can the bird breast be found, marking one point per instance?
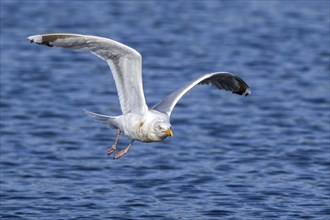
(140, 127)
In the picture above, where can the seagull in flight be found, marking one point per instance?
(137, 121)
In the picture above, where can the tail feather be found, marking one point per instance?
(105, 119)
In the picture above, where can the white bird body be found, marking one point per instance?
(142, 126)
(138, 121)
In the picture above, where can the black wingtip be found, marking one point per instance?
(246, 92)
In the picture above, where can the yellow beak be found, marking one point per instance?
(169, 132)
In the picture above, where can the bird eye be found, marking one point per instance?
(159, 127)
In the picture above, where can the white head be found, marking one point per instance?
(163, 129)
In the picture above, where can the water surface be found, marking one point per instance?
(265, 156)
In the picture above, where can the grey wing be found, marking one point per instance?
(125, 64)
(220, 80)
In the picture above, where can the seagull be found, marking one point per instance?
(137, 121)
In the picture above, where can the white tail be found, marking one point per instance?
(108, 120)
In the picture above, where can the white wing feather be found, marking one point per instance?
(220, 80)
(125, 64)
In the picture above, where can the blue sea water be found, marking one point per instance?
(265, 156)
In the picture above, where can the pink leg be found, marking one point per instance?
(114, 146)
(123, 152)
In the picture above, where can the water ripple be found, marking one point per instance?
(261, 157)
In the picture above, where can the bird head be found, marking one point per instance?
(163, 129)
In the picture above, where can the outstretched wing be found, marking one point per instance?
(125, 64)
(221, 80)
